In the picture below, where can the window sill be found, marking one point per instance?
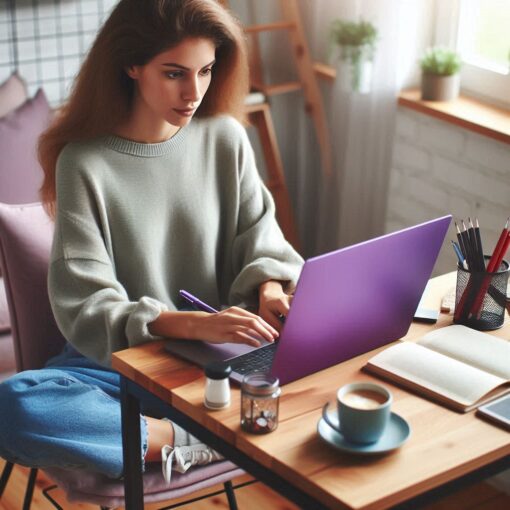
(466, 112)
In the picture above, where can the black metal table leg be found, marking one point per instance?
(133, 482)
(244, 461)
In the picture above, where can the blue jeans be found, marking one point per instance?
(66, 415)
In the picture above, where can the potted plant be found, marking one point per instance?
(356, 42)
(440, 74)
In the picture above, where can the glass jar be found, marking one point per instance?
(260, 396)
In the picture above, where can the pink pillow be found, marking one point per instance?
(5, 323)
(13, 93)
(20, 172)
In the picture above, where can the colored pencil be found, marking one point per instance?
(461, 242)
(494, 263)
(469, 248)
(460, 256)
(499, 245)
(479, 245)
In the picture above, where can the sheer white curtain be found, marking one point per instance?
(349, 205)
(353, 205)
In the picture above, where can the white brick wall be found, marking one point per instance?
(439, 168)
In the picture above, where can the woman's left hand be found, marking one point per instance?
(273, 303)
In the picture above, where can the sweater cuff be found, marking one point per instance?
(146, 311)
(246, 285)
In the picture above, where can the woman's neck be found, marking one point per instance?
(142, 129)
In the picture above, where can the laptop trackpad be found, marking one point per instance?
(202, 353)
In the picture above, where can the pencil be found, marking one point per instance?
(502, 253)
(494, 263)
(461, 241)
(481, 257)
(478, 306)
(474, 246)
(459, 254)
(499, 245)
(467, 244)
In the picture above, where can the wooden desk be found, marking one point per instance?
(445, 447)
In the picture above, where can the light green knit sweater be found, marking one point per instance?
(137, 222)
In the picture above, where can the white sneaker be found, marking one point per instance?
(183, 457)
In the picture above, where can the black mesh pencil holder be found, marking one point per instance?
(480, 298)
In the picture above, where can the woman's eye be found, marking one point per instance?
(173, 75)
(207, 71)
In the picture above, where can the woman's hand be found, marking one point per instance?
(273, 303)
(234, 325)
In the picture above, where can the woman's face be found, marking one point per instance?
(171, 86)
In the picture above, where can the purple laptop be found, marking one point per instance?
(346, 303)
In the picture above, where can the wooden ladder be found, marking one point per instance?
(259, 113)
(307, 81)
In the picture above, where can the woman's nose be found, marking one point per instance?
(192, 90)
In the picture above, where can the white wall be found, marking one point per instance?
(439, 168)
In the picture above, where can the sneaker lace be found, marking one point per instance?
(182, 458)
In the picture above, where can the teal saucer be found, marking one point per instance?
(396, 434)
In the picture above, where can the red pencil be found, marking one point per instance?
(502, 252)
(493, 263)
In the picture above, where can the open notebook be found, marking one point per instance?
(457, 366)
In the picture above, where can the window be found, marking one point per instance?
(478, 29)
(484, 34)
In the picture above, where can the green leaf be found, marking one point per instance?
(440, 61)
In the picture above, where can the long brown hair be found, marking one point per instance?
(135, 32)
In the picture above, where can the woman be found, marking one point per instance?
(153, 187)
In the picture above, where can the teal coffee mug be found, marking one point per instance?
(363, 412)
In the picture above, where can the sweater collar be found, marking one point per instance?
(145, 150)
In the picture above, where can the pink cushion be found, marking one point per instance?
(20, 172)
(98, 489)
(13, 93)
(5, 323)
(26, 234)
(7, 361)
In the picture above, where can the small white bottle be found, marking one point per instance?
(217, 386)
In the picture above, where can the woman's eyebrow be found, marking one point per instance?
(173, 64)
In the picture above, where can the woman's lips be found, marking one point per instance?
(188, 112)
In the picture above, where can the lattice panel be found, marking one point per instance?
(46, 40)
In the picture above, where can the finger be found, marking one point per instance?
(280, 310)
(243, 338)
(261, 328)
(257, 335)
(259, 322)
(283, 305)
(251, 323)
(271, 318)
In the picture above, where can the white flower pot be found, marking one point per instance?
(356, 77)
(355, 69)
(439, 88)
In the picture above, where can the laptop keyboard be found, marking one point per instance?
(259, 360)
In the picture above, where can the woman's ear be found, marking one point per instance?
(133, 72)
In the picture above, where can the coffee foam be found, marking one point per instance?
(364, 399)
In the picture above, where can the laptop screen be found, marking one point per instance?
(356, 299)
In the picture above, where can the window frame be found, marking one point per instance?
(484, 83)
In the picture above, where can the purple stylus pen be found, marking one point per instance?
(200, 305)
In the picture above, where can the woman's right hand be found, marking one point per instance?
(232, 325)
